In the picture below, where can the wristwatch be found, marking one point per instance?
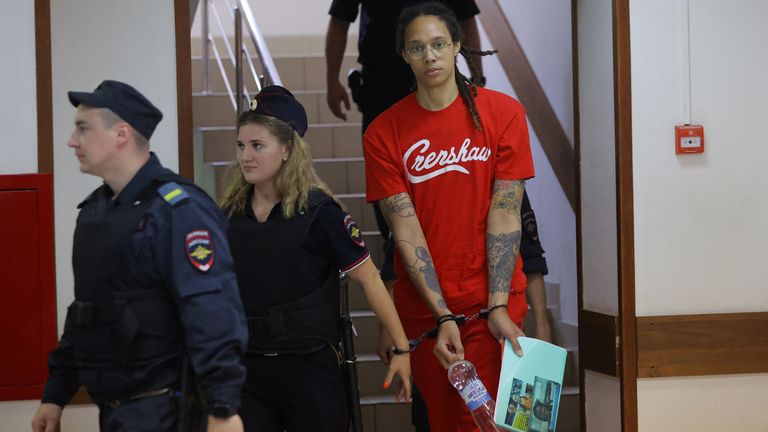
(222, 411)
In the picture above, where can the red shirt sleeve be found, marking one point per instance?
(513, 157)
(384, 175)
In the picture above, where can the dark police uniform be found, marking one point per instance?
(532, 254)
(154, 285)
(386, 77)
(288, 273)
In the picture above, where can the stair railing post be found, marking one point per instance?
(205, 39)
(238, 61)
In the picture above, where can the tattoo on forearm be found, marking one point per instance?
(507, 195)
(400, 205)
(423, 266)
(502, 250)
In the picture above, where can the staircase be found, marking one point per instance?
(336, 148)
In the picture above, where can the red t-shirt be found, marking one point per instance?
(448, 168)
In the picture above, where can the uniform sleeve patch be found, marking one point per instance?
(354, 232)
(199, 246)
(173, 193)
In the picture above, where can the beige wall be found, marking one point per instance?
(18, 111)
(91, 41)
(700, 234)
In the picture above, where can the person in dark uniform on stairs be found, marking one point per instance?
(155, 288)
(290, 239)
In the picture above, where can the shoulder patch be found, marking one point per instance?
(172, 193)
(354, 231)
(200, 253)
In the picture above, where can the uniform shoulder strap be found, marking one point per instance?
(173, 187)
(173, 193)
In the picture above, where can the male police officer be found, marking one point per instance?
(154, 282)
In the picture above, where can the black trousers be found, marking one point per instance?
(151, 414)
(419, 418)
(294, 393)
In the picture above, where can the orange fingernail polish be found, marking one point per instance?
(386, 385)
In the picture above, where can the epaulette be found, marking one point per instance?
(172, 193)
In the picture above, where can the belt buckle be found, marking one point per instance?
(112, 404)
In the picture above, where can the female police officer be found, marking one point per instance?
(290, 239)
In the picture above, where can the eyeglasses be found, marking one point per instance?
(418, 52)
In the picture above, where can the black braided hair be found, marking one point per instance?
(467, 88)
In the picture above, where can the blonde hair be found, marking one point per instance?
(296, 178)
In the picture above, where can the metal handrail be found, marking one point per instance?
(241, 10)
(261, 45)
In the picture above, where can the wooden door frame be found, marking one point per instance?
(182, 20)
(608, 344)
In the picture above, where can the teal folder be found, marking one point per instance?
(530, 387)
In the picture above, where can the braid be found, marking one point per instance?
(467, 87)
(468, 91)
(468, 53)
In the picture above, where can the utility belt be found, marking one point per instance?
(117, 403)
(297, 332)
(283, 324)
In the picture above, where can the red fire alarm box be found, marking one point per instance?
(27, 284)
(689, 139)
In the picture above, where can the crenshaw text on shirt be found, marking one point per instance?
(447, 160)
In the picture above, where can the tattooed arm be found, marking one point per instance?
(502, 245)
(412, 246)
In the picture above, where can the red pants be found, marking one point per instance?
(447, 411)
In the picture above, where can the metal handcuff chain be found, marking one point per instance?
(460, 320)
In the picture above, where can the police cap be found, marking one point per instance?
(276, 101)
(123, 100)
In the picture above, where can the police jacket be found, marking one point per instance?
(154, 280)
(531, 251)
(378, 25)
(288, 273)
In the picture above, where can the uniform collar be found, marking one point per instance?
(146, 174)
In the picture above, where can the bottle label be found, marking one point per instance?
(475, 394)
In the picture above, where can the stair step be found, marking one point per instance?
(217, 110)
(381, 399)
(326, 141)
(296, 71)
(279, 45)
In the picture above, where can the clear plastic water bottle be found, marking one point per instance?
(463, 376)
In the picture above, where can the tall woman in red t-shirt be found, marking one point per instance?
(448, 165)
